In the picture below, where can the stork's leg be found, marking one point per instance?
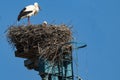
(28, 20)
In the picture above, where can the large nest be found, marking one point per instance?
(40, 40)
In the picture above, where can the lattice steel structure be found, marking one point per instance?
(60, 70)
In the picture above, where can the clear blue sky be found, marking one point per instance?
(96, 23)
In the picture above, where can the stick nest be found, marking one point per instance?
(44, 41)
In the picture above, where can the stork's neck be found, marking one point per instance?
(37, 7)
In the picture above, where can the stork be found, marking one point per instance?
(44, 23)
(28, 11)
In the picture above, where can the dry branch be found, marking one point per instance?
(38, 40)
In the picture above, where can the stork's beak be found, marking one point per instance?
(39, 7)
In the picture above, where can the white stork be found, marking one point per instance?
(44, 23)
(28, 11)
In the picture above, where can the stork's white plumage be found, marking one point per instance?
(28, 11)
(44, 23)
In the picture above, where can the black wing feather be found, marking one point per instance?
(23, 13)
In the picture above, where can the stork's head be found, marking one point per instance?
(36, 5)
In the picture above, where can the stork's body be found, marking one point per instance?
(28, 11)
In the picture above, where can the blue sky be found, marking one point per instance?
(95, 22)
